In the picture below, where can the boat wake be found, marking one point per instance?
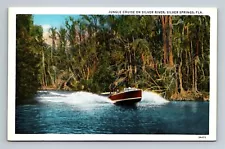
(87, 98)
(82, 98)
(73, 98)
(151, 98)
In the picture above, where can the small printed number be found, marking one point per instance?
(202, 137)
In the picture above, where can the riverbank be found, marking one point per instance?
(190, 96)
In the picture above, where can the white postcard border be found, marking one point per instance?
(212, 12)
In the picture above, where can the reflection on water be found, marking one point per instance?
(87, 113)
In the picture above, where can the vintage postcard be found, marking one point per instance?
(112, 74)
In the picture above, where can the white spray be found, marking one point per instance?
(152, 98)
(82, 98)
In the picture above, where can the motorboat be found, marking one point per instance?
(127, 96)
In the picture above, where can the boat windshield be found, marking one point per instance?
(129, 89)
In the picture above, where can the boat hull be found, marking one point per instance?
(127, 98)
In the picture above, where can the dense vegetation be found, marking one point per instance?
(98, 53)
(28, 44)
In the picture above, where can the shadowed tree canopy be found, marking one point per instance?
(28, 47)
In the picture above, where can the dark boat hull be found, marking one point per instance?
(127, 98)
(128, 102)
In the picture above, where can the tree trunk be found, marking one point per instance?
(187, 67)
(196, 76)
(170, 41)
(164, 20)
(143, 62)
(51, 78)
(189, 58)
(177, 81)
(193, 71)
(181, 77)
(202, 48)
(43, 65)
(53, 48)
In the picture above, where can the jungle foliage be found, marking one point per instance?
(97, 53)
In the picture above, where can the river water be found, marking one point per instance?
(61, 112)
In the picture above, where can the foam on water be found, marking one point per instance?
(76, 98)
(151, 98)
(87, 98)
(82, 98)
(58, 94)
